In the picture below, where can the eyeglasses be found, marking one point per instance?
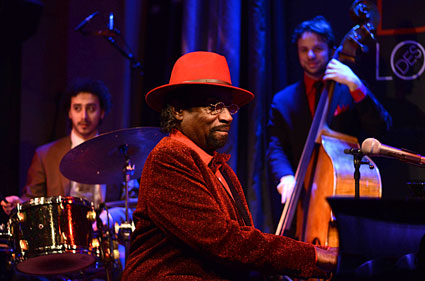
(217, 108)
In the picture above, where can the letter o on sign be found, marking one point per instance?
(408, 60)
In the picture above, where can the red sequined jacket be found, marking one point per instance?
(188, 227)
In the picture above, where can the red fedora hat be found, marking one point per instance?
(200, 69)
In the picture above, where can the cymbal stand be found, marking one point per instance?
(101, 238)
(125, 227)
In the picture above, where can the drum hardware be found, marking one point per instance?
(60, 232)
(107, 246)
(57, 230)
(21, 217)
(106, 266)
(102, 159)
(111, 158)
(91, 216)
(7, 255)
(128, 171)
(23, 244)
(5, 239)
(132, 203)
(5, 236)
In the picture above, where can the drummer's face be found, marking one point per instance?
(85, 113)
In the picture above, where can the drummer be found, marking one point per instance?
(88, 102)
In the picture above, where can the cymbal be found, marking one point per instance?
(100, 160)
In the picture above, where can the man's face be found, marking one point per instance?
(313, 54)
(209, 131)
(85, 114)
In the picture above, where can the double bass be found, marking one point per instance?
(324, 170)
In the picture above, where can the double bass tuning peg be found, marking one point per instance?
(363, 12)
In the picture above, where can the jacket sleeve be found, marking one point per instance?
(278, 140)
(367, 118)
(36, 179)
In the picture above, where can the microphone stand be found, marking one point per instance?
(109, 36)
(134, 63)
(357, 158)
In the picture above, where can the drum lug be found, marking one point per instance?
(91, 216)
(23, 244)
(64, 239)
(21, 217)
(95, 243)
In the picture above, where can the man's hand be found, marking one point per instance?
(11, 203)
(285, 187)
(327, 259)
(341, 73)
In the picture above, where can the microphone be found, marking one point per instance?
(85, 21)
(373, 147)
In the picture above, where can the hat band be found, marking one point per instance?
(216, 81)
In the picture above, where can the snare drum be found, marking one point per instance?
(52, 235)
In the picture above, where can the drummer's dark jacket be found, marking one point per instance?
(189, 228)
(44, 178)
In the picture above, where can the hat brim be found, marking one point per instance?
(155, 98)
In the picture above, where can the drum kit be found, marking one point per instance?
(54, 236)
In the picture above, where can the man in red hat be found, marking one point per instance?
(192, 219)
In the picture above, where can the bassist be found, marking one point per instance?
(354, 109)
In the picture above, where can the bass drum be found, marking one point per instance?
(53, 235)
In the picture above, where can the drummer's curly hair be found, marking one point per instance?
(318, 25)
(95, 87)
